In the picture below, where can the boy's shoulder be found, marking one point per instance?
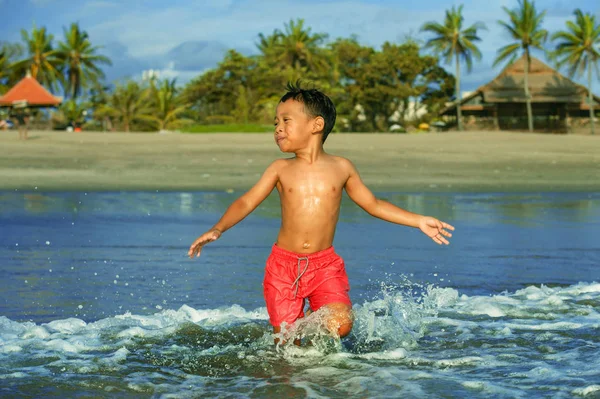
(342, 162)
(280, 162)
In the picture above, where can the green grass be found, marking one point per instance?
(229, 128)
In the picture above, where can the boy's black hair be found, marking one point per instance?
(315, 104)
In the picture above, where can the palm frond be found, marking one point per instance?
(506, 52)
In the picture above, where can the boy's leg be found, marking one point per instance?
(331, 292)
(339, 318)
(282, 304)
(277, 330)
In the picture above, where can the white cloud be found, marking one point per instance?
(157, 31)
(182, 77)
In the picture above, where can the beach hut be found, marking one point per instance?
(26, 94)
(558, 104)
(28, 91)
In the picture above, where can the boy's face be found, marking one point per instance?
(293, 127)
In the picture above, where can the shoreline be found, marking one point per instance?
(430, 162)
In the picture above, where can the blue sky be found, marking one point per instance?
(182, 38)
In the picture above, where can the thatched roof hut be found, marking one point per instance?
(554, 97)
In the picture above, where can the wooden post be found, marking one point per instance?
(567, 119)
(496, 121)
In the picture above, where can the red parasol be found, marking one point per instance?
(28, 91)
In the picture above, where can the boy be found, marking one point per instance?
(303, 263)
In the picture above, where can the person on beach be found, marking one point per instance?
(303, 263)
(22, 117)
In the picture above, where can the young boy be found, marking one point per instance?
(303, 263)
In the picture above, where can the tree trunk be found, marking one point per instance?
(373, 118)
(496, 121)
(458, 99)
(527, 94)
(590, 96)
(73, 89)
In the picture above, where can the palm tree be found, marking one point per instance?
(268, 44)
(298, 43)
(41, 61)
(80, 60)
(579, 48)
(167, 105)
(128, 103)
(451, 41)
(294, 49)
(70, 112)
(8, 53)
(4, 68)
(525, 28)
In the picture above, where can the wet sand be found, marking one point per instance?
(442, 162)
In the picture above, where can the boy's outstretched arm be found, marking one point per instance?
(363, 197)
(240, 208)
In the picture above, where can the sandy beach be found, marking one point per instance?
(442, 162)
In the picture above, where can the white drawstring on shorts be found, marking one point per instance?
(297, 280)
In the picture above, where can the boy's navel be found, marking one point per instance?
(305, 245)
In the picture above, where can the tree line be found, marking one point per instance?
(372, 88)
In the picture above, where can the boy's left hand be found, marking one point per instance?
(435, 229)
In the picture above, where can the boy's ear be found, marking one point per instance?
(318, 124)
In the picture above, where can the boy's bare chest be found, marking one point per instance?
(311, 181)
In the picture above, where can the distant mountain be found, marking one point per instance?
(123, 65)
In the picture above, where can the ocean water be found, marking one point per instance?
(99, 299)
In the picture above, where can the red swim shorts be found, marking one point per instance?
(290, 278)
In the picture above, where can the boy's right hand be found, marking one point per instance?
(209, 236)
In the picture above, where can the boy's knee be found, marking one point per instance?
(344, 330)
(340, 319)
